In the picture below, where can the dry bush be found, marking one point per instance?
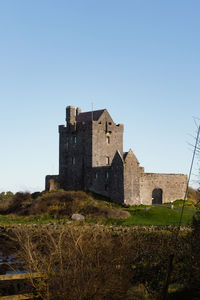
(94, 262)
(65, 202)
(4, 205)
(77, 263)
(194, 261)
(5, 200)
(61, 203)
(19, 203)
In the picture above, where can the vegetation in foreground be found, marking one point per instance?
(59, 206)
(99, 262)
(95, 262)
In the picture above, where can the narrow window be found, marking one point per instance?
(67, 145)
(107, 160)
(106, 187)
(74, 139)
(107, 175)
(108, 140)
(96, 175)
(73, 161)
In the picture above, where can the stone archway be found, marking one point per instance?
(157, 196)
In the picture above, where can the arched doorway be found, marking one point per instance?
(157, 196)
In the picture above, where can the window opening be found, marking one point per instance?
(107, 160)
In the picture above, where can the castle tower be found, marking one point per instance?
(89, 140)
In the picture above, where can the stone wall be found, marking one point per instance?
(101, 180)
(131, 179)
(107, 138)
(75, 152)
(173, 186)
(117, 179)
(52, 182)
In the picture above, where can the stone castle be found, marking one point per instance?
(91, 158)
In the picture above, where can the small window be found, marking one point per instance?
(107, 175)
(110, 123)
(106, 187)
(73, 161)
(67, 145)
(107, 160)
(74, 139)
(96, 175)
(108, 140)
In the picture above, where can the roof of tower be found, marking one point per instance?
(130, 153)
(124, 154)
(87, 116)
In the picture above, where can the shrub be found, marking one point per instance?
(94, 262)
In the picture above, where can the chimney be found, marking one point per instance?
(78, 111)
(70, 115)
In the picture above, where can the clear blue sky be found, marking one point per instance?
(140, 59)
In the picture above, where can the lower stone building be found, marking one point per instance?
(91, 158)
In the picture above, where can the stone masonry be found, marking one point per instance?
(91, 158)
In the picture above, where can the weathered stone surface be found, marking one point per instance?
(91, 158)
(77, 217)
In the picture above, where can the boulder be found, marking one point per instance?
(77, 217)
(118, 214)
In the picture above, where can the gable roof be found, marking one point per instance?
(130, 153)
(87, 116)
(124, 155)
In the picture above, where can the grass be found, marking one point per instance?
(7, 220)
(58, 207)
(157, 216)
(160, 216)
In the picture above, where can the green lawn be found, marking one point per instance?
(154, 216)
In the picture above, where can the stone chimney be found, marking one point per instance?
(78, 111)
(70, 115)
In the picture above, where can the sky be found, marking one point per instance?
(140, 59)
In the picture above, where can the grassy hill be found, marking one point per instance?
(59, 206)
